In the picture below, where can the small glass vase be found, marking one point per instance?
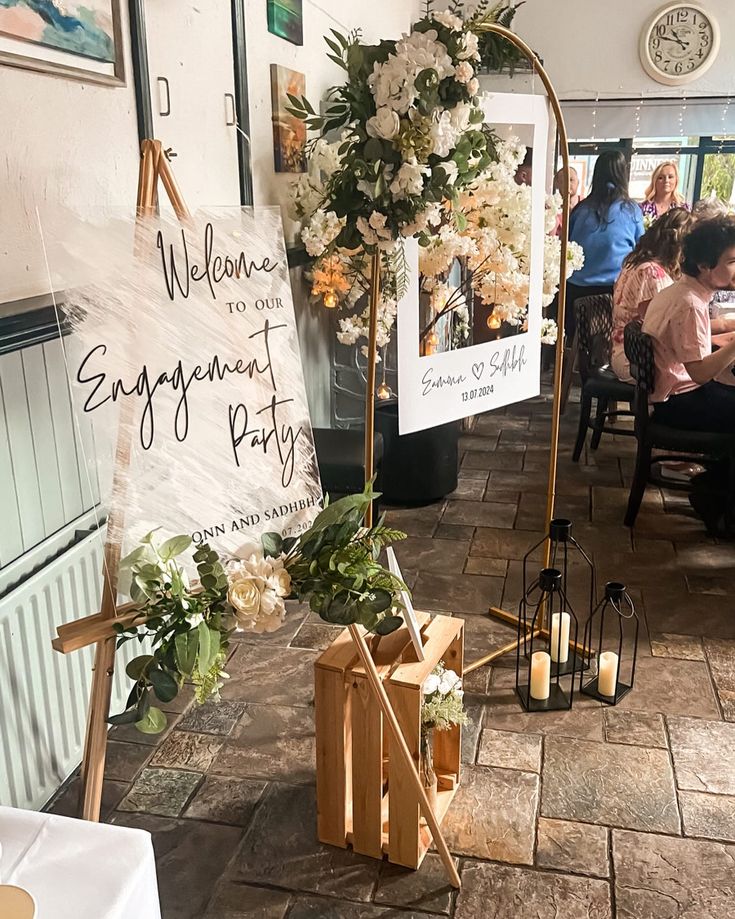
(428, 776)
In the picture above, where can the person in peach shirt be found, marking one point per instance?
(687, 394)
(652, 266)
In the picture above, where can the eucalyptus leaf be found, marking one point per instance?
(137, 665)
(272, 544)
(377, 600)
(388, 625)
(164, 685)
(153, 723)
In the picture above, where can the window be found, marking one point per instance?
(706, 164)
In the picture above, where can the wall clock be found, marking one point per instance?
(679, 43)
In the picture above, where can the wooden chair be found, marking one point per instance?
(599, 383)
(652, 435)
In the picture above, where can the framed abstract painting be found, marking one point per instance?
(286, 20)
(289, 132)
(80, 39)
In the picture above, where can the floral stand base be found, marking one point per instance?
(365, 798)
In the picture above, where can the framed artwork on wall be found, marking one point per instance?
(80, 39)
(289, 132)
(286, 20)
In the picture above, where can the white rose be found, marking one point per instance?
(385, 124)
(431, 684)
(409, 182)
(473, 87)
(280, 582)
(464, 72)
(244, 597)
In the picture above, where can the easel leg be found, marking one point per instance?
(153, 166)
(95, 743)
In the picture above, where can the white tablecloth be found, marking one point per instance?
(79, 870)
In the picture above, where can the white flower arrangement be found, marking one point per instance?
(412, 139)
(257, 587)
(442, 706)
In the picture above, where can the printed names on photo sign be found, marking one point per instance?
(185, 339)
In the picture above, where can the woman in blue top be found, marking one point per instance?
(607, 225)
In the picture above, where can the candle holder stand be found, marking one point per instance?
(545, 600)
(565, 551)
(617, 605)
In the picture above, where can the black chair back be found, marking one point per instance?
(639, 351)
(594, 330)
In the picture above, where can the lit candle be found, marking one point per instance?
(560, 623)
(540, 675)
(607, 678)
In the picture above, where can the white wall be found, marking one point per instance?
(591, 46)
(63, 142)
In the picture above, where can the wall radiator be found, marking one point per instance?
(44, 694)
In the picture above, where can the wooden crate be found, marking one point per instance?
(365, 797)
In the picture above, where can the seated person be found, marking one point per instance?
(686, 394)
(653, 265)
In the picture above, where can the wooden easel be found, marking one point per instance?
(99, 628)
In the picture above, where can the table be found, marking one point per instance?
(79, 870)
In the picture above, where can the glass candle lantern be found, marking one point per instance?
(611, 646)
(567, 556)
(544, 680)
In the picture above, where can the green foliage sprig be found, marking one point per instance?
(334, 565)
(496, 52)
(189, 628)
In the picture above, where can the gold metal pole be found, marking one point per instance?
(556, 413)
(370, 385)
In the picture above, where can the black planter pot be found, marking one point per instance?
(417, 468)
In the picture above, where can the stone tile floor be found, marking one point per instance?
(624, 812)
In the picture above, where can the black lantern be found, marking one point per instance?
(608, 634)
(564, 552)
(544, 681)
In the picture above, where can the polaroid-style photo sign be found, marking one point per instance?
(435, 387)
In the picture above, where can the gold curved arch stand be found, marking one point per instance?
(362, 649)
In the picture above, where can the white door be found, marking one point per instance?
(193, 95)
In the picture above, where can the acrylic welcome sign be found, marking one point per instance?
(184, 356)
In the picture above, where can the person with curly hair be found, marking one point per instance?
(653, 265)
(688, 393)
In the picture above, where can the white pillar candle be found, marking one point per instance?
(607, 678)
(540, 675)
(560, 624)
